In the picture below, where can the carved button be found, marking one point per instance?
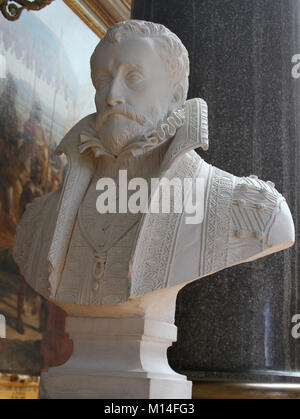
(260, 207)
(244, 187)
(240, 203)
(253, 177)
(272, 184)
(258, 235)
(263, 191)
(238, 234)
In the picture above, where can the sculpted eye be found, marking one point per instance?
(134, 76)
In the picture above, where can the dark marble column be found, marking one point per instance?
(236, 324)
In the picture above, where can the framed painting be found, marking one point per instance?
(45, 89)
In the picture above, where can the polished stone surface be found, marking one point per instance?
(239, 321)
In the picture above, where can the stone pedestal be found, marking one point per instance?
(117, 358)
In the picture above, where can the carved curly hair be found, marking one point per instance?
(171, 49)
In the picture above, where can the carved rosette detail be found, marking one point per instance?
(12, 9)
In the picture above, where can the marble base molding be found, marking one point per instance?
(117, 358)
(245, 390)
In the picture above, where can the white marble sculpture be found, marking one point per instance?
(117, 267)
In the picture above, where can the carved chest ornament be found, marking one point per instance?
(99, 249)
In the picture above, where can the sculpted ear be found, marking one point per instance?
(177, 98)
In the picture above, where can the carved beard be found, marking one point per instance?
(165, 129)
(129, 127)
(114, 140)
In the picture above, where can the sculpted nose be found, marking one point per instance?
(115, 95)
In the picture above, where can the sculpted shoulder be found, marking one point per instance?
(282, 231)
(260, 214)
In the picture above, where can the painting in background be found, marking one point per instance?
(45, 89)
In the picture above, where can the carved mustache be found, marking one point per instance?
(128, 112)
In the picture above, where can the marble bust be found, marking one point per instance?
(144, 125)
(117, 274)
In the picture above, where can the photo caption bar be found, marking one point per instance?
(142, 408)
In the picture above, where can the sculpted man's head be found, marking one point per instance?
(140, 72)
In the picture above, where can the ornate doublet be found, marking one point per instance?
(244, 219)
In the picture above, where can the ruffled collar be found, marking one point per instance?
(167, 129)
(188, 127)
